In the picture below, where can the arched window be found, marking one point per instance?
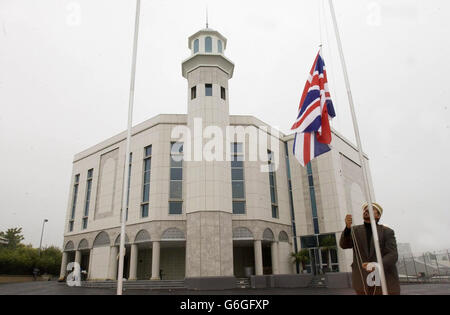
(268, 235)
(117, 241)
(283, 237)
(219, 46)
(208, 44)
(196, 45)
(69, 246)
(83, 244)
(242, 233)
(102, 239)
(172, 234)
(142, 237)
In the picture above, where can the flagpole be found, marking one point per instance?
(368, 192)
(127, 154)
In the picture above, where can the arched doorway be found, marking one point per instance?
(173, 254)
(144, 259)
(267, 255)
(100, 257)
(243, 253)
(85, 253)
(126, 259)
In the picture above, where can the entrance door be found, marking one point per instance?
(315, 260)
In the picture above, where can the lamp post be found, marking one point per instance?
(42, 234)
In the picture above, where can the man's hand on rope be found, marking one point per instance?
(364, 265)
(348, 221)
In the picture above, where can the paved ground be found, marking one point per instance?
(55, 288)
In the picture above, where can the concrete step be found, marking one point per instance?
(318, 282)
(243, 283)
(140, 284)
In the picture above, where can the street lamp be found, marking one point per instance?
(42, 233)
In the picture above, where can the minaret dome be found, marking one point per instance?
(207, 49)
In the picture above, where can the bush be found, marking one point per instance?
(23, 259)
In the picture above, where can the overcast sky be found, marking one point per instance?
(64, 86)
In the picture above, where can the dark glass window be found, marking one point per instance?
(148, 151)
(74, 201)
(85, 221)
(273, 185)
(219, 46)
(312, 195)
(176, 189)
(175, 207)
(196, 46)
(129, 181)
(237, 178)
(146, 195)
(176, 178)
(144, 210)
(146, 181)
(316, 224)
(193, 92)
(223, 93)
(271, 179)
(176, 173)
(88, 199)
(236, 148)
(238, 207)
(273, 196)
(208, 44)
(309, 241)
(238, 190)
(208, 90)
(237, 164)
(274, 212)
(237, 173)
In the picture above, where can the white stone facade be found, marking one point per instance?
(206, 239)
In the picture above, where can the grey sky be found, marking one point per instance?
(64, 80)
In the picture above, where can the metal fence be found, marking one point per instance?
(428, 267)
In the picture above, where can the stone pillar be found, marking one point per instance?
(155, 260)
(112, 270)
(62, 273)
(275, 258)
(133, 262)
(258, 258)
(78, 257)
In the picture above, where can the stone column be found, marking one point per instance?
(258, 258)
(275, 258)
(133, 262)
(155, 260)
(112, 270)
(78, 257)
(62, 273)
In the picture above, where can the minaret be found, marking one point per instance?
(209, 245)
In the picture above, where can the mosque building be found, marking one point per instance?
(202, 220)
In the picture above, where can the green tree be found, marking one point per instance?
(50, 260)
(20, 259)
(13, 236)
(301, 257)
